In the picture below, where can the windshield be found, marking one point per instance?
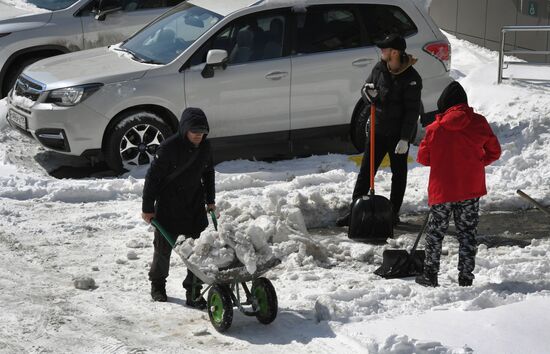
(166, 38)
(51, 4)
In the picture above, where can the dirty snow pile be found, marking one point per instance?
(252, 237)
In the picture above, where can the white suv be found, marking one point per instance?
(273, 77)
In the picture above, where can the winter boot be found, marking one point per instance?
(158, 292)
(395, 219)
(427, 279)
(463, 281)
(344, 220)
(198, 304)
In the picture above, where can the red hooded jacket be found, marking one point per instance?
(457, 146)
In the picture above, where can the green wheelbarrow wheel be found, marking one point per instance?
(220, 307)
(265, 298)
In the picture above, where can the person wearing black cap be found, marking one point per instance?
(394, 88)
(178, 192)
(457, 147)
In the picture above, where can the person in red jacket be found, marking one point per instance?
(457, 147)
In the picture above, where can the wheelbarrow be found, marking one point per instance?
(226, 287)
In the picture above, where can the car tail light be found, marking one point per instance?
(440, 50)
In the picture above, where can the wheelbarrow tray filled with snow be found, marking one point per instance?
(226, 286)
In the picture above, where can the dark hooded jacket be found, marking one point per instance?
(180, 205)
(398, 102)
(458, 145)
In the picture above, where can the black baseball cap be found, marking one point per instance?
(393, 41)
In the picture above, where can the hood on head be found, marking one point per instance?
(452, 95)
(193, 119)
(458, 117)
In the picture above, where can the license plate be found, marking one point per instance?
(17, 119)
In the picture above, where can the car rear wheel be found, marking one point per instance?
(359, 128)
(134, 140)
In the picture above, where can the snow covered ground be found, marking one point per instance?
(54, 233)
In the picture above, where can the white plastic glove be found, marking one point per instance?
(402, 147)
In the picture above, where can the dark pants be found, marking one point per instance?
(383, 145)
(161, 264)
(466, 217)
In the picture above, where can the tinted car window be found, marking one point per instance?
(381, 20)
(167, 37)
(325, 28)
(257, 37)
(153, 4)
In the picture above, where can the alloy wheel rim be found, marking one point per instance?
(139, 144)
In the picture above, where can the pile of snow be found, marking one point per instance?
(251, 237)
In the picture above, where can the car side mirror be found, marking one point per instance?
(107, 7)
(216, 58)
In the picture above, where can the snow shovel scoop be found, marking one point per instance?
(534, 202)
(371, 215)
(402, 264)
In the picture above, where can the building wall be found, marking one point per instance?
(480, 22)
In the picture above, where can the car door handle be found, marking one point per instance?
(361, 62)
(276, 75)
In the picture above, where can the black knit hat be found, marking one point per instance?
(452, 95)
(194, 120)
(393, 41)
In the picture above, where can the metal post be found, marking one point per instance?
(502, 52)
(501, 55)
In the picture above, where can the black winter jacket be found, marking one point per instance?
(398, 101)
(180, 206)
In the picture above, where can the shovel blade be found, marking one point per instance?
(371, 220)
(401, 264)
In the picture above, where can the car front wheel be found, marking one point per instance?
(134, 140)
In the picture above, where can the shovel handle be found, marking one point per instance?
(371, 136)
(420, 233)
(534, 202)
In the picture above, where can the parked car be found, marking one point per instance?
(271, 77)
(31, 30)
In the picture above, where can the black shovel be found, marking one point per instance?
(402, 264)
(371, 218)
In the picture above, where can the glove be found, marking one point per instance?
(369, 93)
(402, 147)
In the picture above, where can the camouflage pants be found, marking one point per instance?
(466, 217)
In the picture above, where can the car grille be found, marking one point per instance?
(27, 88)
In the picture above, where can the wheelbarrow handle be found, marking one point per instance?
(214, 219)
(163, 232)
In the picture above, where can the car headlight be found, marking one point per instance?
(71, 96)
